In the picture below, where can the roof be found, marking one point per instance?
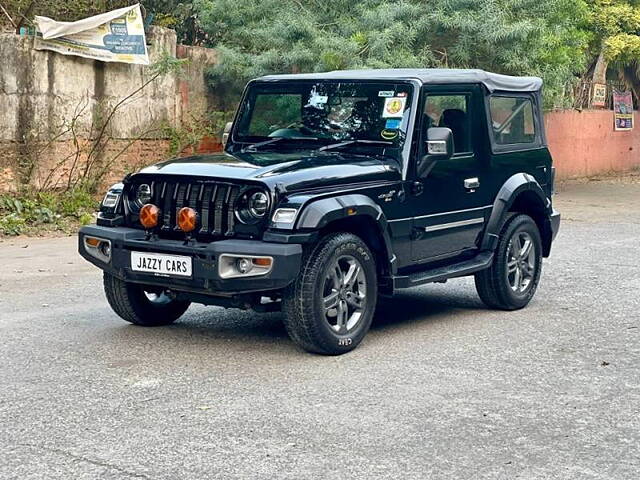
(492, 81)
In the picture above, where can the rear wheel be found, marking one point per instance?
(511, 281)
(330, 306)
(142, 305)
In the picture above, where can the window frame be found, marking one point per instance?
(236, 139)
(537, 122)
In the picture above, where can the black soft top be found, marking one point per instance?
(492, 81)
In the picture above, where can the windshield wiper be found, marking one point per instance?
(346, 143)
(254, 146)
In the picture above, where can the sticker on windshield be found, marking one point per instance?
(389, 134)
(317, 101)
(394, 107)
(393, 123)
(386, 93)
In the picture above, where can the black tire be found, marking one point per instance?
(307, 320)
(495, 285)
(131, 303)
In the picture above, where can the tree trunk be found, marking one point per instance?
(600, 70)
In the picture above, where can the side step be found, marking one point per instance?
(479, 262)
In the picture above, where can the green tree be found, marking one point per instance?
(520, 37)
(615, 27)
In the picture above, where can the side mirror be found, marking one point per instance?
(225, 134)
(438, 146)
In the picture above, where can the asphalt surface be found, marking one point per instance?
(440, 388)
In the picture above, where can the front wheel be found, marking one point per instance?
(511, 281)
(330, 306)
(142, 305)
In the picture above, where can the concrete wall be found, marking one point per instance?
(584, 143)
(41, 90)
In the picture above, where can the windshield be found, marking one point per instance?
(315, 114)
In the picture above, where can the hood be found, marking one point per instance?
(293, 171)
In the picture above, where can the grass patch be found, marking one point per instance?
(45, 212)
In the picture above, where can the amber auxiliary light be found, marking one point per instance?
(149, 215)
(187, 219)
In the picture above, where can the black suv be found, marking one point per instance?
(333, 189)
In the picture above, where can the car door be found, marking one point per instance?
(450, 205)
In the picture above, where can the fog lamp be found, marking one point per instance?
(244, 265)
(236, 266)
(99, 248)
(187, 219)
(149, 215)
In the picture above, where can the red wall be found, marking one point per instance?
(584, 143)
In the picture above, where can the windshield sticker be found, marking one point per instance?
(386, 93)
(402, 94)
(393, 123)
(389, 134)
(394, 107)
(316, 100)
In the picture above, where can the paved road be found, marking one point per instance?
(441, 387)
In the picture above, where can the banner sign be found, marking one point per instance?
(599, 98)
(116, 36)
(623, 111)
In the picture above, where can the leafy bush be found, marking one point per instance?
(54, 211)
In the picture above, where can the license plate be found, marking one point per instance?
(161, 264)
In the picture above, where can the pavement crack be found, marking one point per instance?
(82, 458)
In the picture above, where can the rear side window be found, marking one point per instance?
(512, 120)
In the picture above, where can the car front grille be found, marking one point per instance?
(214, 201)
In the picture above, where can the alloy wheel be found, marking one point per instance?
(344, 294)
(521, 262)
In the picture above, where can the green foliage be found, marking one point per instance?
(168, 64)
(31, 212)
(194, 129)
(616, 29)
(520, 37)
(180, 16)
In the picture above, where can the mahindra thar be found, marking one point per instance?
(334, 189)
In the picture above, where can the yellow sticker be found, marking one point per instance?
(389, 134)
(394, 107)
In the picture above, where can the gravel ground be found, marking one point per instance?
(441, 387)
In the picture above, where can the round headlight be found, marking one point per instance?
(258, 204)
(252, 207)
(143, 194)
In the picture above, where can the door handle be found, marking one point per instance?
(471, 183)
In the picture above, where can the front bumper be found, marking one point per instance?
(205, 278)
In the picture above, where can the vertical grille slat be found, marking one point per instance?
(193, 195)
(168, 194)
(231, 207)
(219, 209)
(205, 199)
(181, 188)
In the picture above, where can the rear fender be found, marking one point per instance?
(539, 208)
